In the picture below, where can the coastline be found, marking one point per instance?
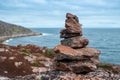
(3, 38)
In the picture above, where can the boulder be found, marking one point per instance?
(72, 25)
(75, 42)
(65, 33)
(66, 53)
(75, 66)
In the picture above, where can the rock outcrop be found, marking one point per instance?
(23, 60)
(73, 55)
(99, 74)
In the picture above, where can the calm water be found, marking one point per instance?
(106, 40)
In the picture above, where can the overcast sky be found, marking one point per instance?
(51, 13)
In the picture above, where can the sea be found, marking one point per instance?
(107, 40)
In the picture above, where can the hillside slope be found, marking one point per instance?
(7, 29)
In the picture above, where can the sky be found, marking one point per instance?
(51, 13)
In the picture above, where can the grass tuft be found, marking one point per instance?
(49, 52)
(104, 66)
(26, 52)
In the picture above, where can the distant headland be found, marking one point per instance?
(8, 30)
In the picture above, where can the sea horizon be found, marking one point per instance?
(82, 27)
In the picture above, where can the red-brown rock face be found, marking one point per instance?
(72, 54)
(75, 60)
(73, 27)
(67, 53)
(76, 67)
(75, 42)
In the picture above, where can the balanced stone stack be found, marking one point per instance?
(73, 55)
(73, 33)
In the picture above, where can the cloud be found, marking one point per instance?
(95, 2)
(13, 3)
(51, 13)
(39, 1)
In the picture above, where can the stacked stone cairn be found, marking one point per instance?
(73, 55)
